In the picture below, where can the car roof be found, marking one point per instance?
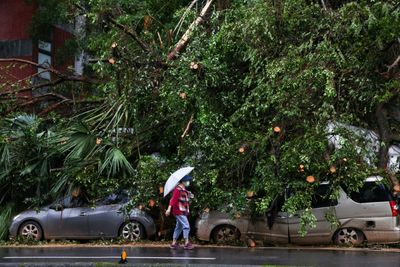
(374, 179)
(369, 179)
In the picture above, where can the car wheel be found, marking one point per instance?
(225, 234)
(31, 230)
(349, 237)
(132, 231)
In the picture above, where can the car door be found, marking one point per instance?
(74, 222)
(105, 220)
(65, 220)
(272, 227)
(322, 208)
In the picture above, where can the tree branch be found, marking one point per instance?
(61, 76)
(323, 5)
(155, 64)
(38, 99)
(36, 86)
(131, 33)
(185, 37)
(53, 107)
(46, 68)
(124, 28)
(394, 64)
(187, 127)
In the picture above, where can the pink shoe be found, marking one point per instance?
(174, 246)
(188, 246)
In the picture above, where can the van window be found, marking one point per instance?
(321, 197)
(370, 192)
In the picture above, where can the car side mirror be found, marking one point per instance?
(57, 207)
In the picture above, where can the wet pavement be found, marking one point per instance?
(200, 256)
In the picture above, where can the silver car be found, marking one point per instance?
(368, 215)
(71, 218)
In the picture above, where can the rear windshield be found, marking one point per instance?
(370, 192)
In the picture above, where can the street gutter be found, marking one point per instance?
(165, 245)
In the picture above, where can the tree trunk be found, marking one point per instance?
(385, 139)
(278, 6)
(223, 4)
(185, 38)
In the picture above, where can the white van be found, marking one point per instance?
(370, 215)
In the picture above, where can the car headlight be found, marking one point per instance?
(16, 217)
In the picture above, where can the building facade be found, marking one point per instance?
(15, 42)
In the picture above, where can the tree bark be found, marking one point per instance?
(385, 138)
(384, 135)
(278, 6)
(186, 36)
(187, 128)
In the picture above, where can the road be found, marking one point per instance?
(200, 256)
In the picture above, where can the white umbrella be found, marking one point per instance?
(174, 179)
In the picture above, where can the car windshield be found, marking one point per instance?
(118, 197)
(71, 202)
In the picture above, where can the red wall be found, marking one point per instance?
(15, 18)
(59, 38)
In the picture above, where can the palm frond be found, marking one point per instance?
(116, 163)
(5, 219)
(79, 144)
(27, 170)
(5, 156)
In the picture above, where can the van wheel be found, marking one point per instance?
(31, 230)
(349, 237)
(132, 231)
(225, 234)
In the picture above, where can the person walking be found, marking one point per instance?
(179, 206)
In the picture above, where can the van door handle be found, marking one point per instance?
(83, 213)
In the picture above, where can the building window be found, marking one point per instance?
(44, 59)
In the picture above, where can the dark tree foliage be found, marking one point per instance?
(247, 102)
